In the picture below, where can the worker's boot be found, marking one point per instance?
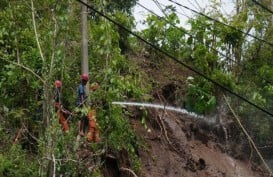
(90, 135)
(93, 131)
(63, 122)
(91, 125)
(97, 135)
(65, 126)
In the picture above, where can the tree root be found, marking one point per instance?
(129, 170)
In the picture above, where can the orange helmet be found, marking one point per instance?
(58, 83)
(84, 77)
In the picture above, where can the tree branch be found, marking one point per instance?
(32, 136)
(54, 165)
(53, 42)
(35, 31)
(129, 170)
(248, 136)
(24, 67)
(15, 38)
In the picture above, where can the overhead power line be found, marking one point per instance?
(217, 21)
(175, 59)
(186, 32)
(199, 7)
(158, 5)
(182, 30)
(262, 6)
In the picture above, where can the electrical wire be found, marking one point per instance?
(199, 7)
(186, 32)
(198, 4)
(219, 22)
(158, 5)
(262, 6)
(175, 59)
(180, 13)
(183, 13)
(234, 28)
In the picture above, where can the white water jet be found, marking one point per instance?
(170, 108)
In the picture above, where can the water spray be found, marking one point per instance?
(169, 108)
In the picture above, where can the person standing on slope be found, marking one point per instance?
(58, 106)
(81, 102)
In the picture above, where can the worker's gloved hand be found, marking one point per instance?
(81, 111)
(67, 112)
(94, 86)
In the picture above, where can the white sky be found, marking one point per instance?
(227, 7)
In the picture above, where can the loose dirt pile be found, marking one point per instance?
(177, 146)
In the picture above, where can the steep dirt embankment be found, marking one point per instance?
(177, 145)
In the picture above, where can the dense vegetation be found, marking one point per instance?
(40, 42)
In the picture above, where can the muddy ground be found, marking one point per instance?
(177, 145)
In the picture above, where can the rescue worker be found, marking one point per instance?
(81, 101)
(93, 130)
(57, 95)
(61, 112)
(88, 116)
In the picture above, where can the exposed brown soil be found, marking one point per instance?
(176, 145)
(174, 148)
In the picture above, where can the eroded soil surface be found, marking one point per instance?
(179, 145)
(176, 146)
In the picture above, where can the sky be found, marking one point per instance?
(227, 8)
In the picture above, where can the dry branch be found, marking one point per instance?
(18, 135)
(35, 31)
(248, 136)
(24, 67)
(129, 170)
(54, 165)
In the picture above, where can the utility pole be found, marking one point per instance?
(271, 8)
(84, 32)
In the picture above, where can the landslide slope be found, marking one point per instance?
(179, 145)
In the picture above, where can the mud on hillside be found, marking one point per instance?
(178, 145)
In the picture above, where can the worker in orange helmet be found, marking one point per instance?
(89, 115)
(57, 94)
(61, 112)
(93, 129)
(81, 101)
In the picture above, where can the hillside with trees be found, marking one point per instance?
(172, 101)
